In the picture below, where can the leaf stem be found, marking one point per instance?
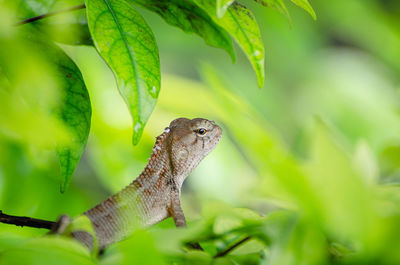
(226, 251)
(32, 19)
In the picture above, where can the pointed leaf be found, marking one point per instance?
(306, 6)
(75, 111)
(276, 4)
(127, 44)
(242, 26)
(191, 19)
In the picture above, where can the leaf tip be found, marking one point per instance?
(63, 186)
(137, 132)
(312, 13)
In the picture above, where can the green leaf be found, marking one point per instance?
(75, 111)
(46, 250)
(276, 4)
(222, 6)
(242, 26)
(332, 174)
(139, 248)
(127, 44)
(306, 6)
(191, 19)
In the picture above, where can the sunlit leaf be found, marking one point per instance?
(222, 6)
(306, 6)
(190, 18)
(242, 26)
(127, 44)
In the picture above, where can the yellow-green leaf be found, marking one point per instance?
(240, 23)
(276, 4)
(306, 6)
(127, 44)
(222, 6)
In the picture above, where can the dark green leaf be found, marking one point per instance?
(190, 18)
(127, 44)
(242, 26)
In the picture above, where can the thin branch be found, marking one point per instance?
(25, 221)
(32, 19)
(226, 251)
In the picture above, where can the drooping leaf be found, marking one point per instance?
(191, 19)
(276, 4)
(75, 111)
(222, 6)
(242, 26)
(127, 44)
(306, 6)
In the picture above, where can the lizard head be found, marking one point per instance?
(189, 141)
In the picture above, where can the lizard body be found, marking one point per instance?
(155, 194)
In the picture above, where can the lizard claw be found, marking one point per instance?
(61, 224)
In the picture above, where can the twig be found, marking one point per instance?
(25, 221)
(32, 19)
(226, 251)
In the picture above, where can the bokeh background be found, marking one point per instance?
(321, 138)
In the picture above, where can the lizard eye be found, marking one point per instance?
(201, 131)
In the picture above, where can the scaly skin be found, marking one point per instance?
(155, 194)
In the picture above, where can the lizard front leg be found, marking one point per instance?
(179, 218)
(176, 211)
(61, 225)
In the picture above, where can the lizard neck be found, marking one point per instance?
(160, 170)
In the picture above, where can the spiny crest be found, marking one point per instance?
(159, 142)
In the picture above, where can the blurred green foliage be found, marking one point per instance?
(308, 166)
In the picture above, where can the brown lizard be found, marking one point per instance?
(155, 194)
